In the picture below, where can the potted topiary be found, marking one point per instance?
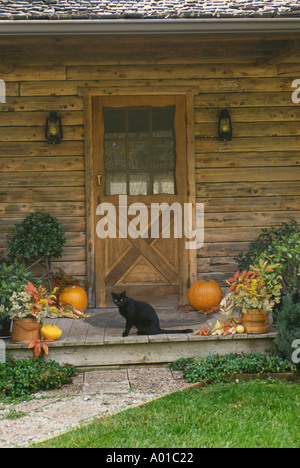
(37, 239)
(13, 278)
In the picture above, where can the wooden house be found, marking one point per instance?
(139, 87)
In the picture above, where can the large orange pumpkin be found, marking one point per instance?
(75, 296)
(205, 294)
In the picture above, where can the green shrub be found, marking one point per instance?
(21, 377)
(279, 245)
(288, 325)
(218, 368)
(286, 252)
(263, 241)
(38, 234)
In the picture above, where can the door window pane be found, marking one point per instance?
(163, 154)
(115, 184)
(163, 122)
(164, 183)
(114, 123)
(139, 183)
(115, 154)
(138, 123)
(139, 155)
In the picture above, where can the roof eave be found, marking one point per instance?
(149, 26)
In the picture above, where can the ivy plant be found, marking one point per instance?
(37, 235)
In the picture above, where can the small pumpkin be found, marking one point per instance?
(75, 296)
(51, 332)
(203, 295)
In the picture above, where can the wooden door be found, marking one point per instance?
(140, 157)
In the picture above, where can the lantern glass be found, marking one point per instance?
(225, 127)
(54, 132)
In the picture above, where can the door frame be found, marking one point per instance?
(189, 271)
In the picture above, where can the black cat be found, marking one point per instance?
(141, 315)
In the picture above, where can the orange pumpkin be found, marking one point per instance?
(75, 296)
(205, 294)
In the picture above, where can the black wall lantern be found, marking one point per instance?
(225, 127)
(54, 131)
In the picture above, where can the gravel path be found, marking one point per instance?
(91, 395)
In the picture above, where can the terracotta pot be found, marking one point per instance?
(25, 330)
(255, 321)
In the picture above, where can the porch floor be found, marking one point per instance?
(85, 345)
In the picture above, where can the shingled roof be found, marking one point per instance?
(146, 9)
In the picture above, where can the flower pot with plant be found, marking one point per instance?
(28, 310)
(255, 293)
(13, 278)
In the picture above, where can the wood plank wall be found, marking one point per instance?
(246, 184)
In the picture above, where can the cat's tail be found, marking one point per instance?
(169, 332)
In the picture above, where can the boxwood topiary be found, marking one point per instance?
(37, 235)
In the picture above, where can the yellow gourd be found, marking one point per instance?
(51, 332)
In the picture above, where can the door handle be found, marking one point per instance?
(99, 180)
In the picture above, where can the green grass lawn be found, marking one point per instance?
(236, 415)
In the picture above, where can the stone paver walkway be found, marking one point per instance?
(91, 395)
